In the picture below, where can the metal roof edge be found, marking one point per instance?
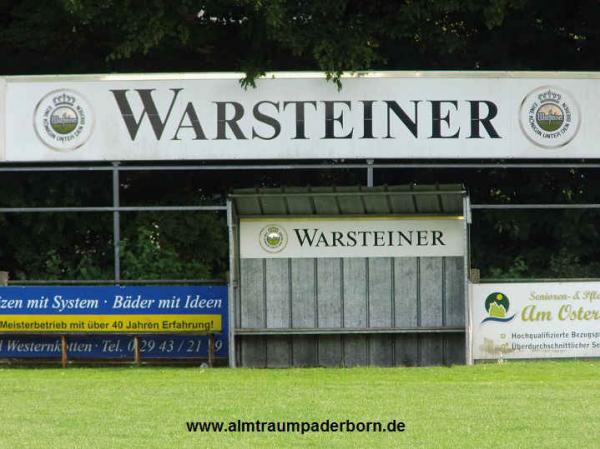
(381, 190)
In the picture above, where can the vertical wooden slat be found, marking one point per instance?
(330, 350)
(329, 292)
(355, 293)
(253, 313)
(304, 310)
(381, 301)
(381, 350)
(355, 350)
(278, 352)
(380, 292)
(304, 351)
(252, 293)
(406, 350)
(455, 291)
(303, 293)
(431, 346)
(405, 291)
(253, 352)
(329, 309)
(431, 293)
(356, 309)
(431, 349)
(277, 290)
(455, 349)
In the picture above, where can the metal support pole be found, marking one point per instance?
(370, 173)
(232, 287)
(64, 356)
(211, 349)
(137, 356)
(116, 222)
(467, 285)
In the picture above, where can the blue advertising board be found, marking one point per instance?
(168, 319)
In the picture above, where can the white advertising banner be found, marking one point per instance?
(319, 237)
(403, 115)
(535, 320)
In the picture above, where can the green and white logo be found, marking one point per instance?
(549, 117)
(497, 306)
(63, 120)
(273, 238)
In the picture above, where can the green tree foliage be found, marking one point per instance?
(72, 36)
(175, 246)
(55, 245)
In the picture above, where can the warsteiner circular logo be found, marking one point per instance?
(63, 120)
(273, 238)
(549, 117)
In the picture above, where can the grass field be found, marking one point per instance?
(512, 405)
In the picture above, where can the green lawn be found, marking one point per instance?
(513, 405)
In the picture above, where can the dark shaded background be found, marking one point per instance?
(252, 37)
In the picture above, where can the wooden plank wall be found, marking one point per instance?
(352, 293)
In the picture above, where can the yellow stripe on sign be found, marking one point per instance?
(110, 323)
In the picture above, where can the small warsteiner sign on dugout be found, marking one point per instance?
(535, 320)
(322, 237)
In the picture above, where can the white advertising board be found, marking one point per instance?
(535, 320)
(319, 237)
(404, 115)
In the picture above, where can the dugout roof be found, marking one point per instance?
(350, 200)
